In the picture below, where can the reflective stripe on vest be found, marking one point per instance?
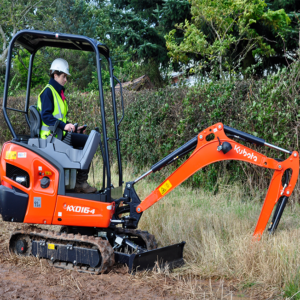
(45, 128)
(59, 112)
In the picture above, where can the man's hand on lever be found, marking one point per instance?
(69, 127)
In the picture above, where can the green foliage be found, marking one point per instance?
(255, 33)
(81, 17)
(290, 42)
(123, 73)
(140, 26)
(292, 287)
(158, 122)
(2, 78)
(20, 68)
(21, 14)
(223, 33)
(71, 16)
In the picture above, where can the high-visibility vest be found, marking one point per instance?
(60, 110)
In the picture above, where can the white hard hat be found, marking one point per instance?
(60, 65)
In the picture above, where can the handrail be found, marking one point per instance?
(121, 91)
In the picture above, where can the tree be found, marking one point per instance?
(20, 14)
(68, 16)
(84, 18)
(223, 33)
(287, 46)
(140, 26)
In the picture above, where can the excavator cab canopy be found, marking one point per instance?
(32, 41)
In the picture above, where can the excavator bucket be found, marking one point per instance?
(166, 257)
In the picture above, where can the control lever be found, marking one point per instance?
(83, 128)
(76, 125)
(54, 129)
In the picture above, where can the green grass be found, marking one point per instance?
(218, 232)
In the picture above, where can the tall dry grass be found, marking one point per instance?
(218, 233)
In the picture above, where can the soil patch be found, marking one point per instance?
(31, 278)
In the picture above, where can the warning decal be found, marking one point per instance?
(51, 246)
(11, 155)
(37, 202)
(22, 154)
(165, 187)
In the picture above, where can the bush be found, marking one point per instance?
(159, 121)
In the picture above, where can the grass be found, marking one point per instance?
(219, 251)
(218, 232)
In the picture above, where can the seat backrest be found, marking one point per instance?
(35, 121)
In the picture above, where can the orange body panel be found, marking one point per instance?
(81, 212)
(91, 213)
(206, 153)
(36, 167)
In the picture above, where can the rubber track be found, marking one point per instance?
(105, 249)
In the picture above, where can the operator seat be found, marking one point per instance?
(66, 155)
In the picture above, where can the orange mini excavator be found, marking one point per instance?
(97, 230)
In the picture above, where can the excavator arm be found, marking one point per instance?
(213, 145)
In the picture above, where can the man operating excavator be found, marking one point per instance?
(53, 106)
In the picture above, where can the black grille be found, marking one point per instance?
(17, 174)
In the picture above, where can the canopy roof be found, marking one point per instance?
(32, 40)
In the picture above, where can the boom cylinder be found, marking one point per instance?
(189, 146)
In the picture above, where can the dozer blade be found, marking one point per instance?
(171, 256)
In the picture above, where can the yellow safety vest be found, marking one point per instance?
(60, 110)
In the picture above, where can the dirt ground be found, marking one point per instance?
(30, 278)
(42, 282)
(38, 281)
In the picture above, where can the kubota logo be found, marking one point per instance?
(245, 153)
(80, 209)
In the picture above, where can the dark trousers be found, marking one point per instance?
(78, 141)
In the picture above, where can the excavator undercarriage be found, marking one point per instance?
(94, 255)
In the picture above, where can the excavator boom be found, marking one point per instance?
(213, 145)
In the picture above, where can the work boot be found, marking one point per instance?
(84, 188)
(81, 183)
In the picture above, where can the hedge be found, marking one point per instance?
(159, 121)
